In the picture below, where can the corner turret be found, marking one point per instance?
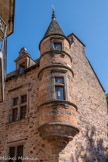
(57, 107)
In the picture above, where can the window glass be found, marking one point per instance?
(23, 98)
(11, 153)
(21, 108)
(19, 153)
(59, 80)
(57, 46)
(59, 93)
(14, 114)
(21, 68)
(15, 101)
(16, 153)
(22, 112)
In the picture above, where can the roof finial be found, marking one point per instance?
(53, 14)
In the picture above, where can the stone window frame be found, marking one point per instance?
(18, 106)
(66, 88)
(22, 67)
(56, 41)
(22, 63)
(15, 144)
(60, 85)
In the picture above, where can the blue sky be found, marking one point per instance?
(87, 19)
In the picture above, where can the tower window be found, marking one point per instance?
(59, 80)
(59, 88)
(57, 46)
(59, 93)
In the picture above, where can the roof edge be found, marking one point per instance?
(77, 39)
(52, 35)
(95, 75)
(14, 4)
(14, 73)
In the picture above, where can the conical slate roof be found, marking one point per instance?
(54, 27)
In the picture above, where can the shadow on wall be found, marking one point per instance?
(94, 152)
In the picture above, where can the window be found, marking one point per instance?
(59, 80)
(23, 98)
(14, 114)
(15, 101)
(59, 88)
(57, 46)
(16, 153)
(19, 109)
(21, 68)
(59, 93)
(19, 153)
(11, 153)
(22, 112)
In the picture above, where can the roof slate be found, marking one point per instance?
(53, 28)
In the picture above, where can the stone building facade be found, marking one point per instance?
(54, 108)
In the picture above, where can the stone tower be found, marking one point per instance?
(57, 107)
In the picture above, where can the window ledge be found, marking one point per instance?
(58, 102)
(18, 121)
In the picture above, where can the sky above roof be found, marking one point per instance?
(88, 20)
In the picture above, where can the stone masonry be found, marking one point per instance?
(79, 130)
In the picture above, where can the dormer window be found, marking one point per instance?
(57, 46)
(21, 68)
(23, 61)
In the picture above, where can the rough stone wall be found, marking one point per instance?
(91, 143)
(23, 131)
